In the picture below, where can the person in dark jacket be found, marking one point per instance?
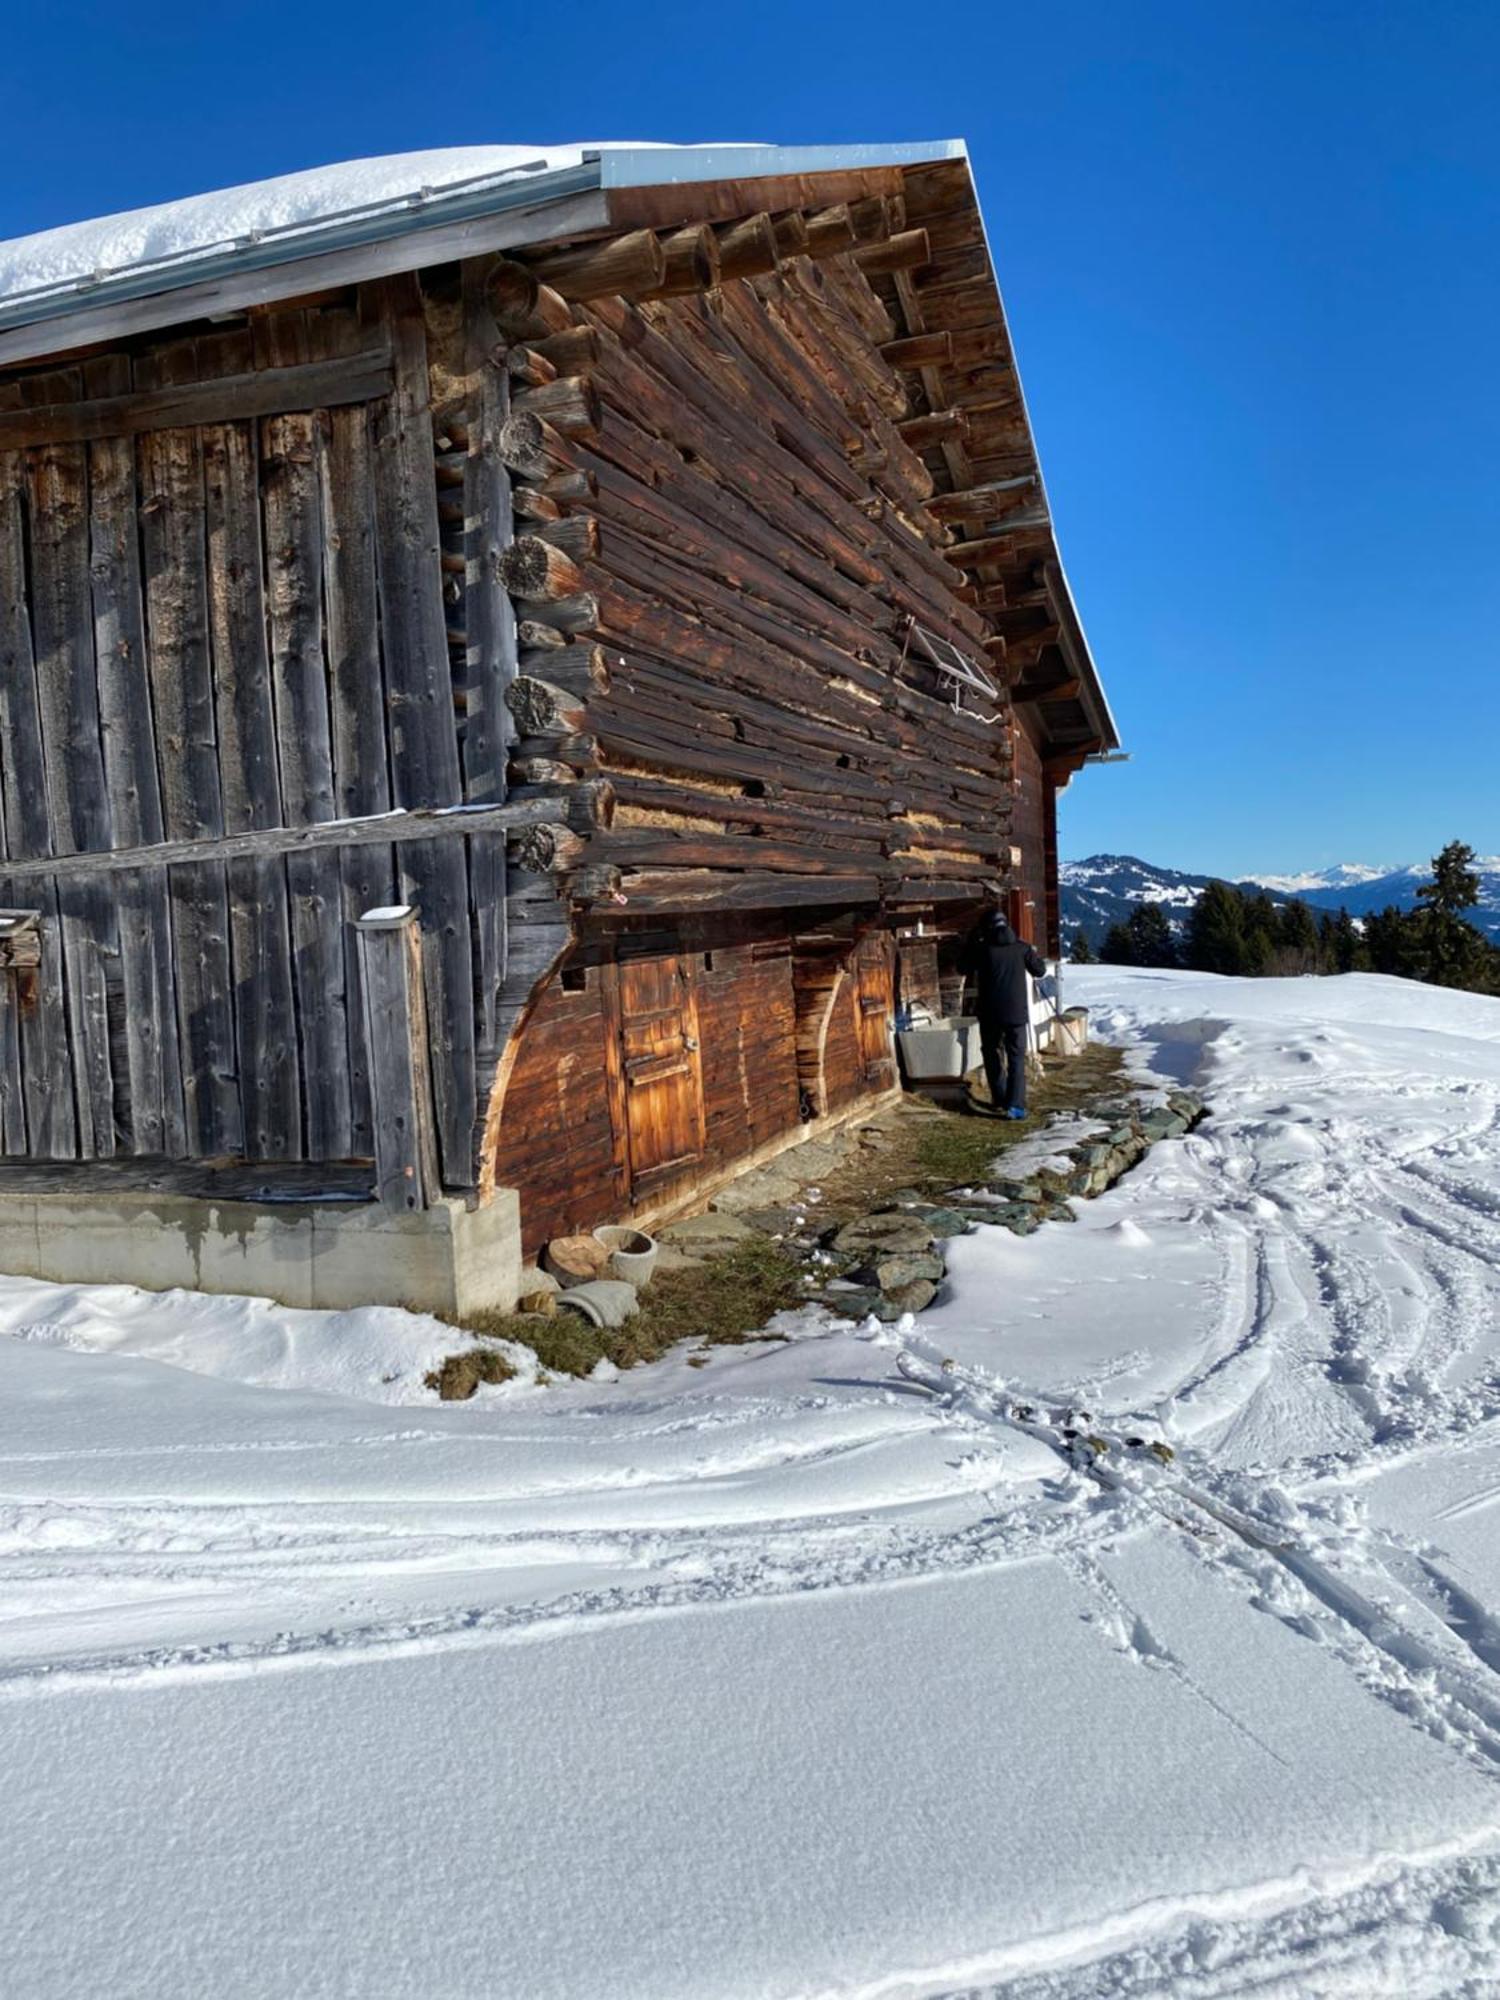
(1003, 966)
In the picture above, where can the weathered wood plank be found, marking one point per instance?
(299, 678)
(491, 652)
(356, 688)
(170, 470)
(77, 803)
(419, 690)
(50, 1128)
(153, 1074)
(260, 929)
(181, 406)
(587, 804)
(407, 1175)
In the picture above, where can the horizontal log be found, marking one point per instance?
(573, 352)
(877, 216)
(534, 571)
(918, 350)
(269, 392)
(546, 849)
(437, 823)
(569, 404)
(530, 503)
(932, 428)
(719, 890)
(581, 669)
(585, 807)
(980, 503)
(577, 536)
(790, 231)
(628, 265)
(905, 252)
(530, 446)
(999, 546)
(831, 231)
(595, 883)
(691, 260)
(541, 708)
(747, 249)
(563, 617)
(512, 290)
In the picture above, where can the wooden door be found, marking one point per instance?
(873, 1006)
(661, 1068)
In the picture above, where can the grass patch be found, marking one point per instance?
(931, 1149)
(720, 1302)
(461, 1374)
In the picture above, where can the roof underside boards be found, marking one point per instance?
(221, 254)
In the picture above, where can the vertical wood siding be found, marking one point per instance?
(214, 629)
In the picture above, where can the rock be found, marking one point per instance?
(852, 1301)
(576, 1260)
(1016, 1190)
(942, 1221)
(889, 1274)
(912, 1298)
(1160, 1123)
(884, 1233)
(761, 1188)
(711, 1235)
(772, 1221)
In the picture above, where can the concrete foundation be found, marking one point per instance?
(449, 1259)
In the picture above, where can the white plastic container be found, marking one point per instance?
(940, 1052)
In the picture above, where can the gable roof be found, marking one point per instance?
(217, 254)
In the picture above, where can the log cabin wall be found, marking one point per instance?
(221, 614)
(568, 1137)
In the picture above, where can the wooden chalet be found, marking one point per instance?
(508, 687)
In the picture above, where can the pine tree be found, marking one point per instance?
(1216, 931)
(1082, 951)
(1118, 947)
(1454, 887)
(1448, 951)
(1151, 936)
(1350, 953)
(1296, 948)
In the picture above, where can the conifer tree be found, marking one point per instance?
(1151, 937)
(1118, 947)
(1216, 931)
(1082, 951)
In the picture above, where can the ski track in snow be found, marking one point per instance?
(1319, 1339)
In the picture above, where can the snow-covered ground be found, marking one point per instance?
(785, 1676)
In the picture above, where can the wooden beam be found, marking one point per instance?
(434, 823)
(407, 1176)
(619, 265)
(747, 249)
(267, 392)
(931, 428)
(919, 350)
(1000, 546)
(979, 503)
(906, 252)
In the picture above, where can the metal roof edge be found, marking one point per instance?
(661, 166)
(322, 235)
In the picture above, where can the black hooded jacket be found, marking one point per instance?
(1000, 961)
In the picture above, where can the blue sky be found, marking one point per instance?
(1249, 255)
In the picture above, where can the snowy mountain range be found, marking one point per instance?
(1104, 889)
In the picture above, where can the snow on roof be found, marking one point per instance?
(291, 214)
(173, 230)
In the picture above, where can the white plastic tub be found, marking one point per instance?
(940, 1051)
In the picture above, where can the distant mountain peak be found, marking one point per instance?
(1103, 889)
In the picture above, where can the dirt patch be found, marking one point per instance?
(461, 1374)
(928, 1149)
